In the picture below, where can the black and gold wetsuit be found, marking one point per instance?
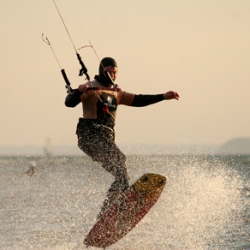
(95, 130)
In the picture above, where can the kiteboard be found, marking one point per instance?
(126, 211)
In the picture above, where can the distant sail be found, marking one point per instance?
(47, 149)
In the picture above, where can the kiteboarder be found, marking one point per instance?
(95, 130)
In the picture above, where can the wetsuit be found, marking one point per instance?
(95, 131)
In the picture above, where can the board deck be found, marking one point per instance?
(127, 210)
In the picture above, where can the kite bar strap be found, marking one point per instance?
(83, 70)
(68, 87)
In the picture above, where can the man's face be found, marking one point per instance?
(113, 71)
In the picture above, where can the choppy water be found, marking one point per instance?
(205, 205)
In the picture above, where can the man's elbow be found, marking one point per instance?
(68, 104)
(71, 103)
(72, 99)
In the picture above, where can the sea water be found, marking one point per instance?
(52, 202)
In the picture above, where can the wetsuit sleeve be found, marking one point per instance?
(125, 98)
(73, 99)
(144, 100)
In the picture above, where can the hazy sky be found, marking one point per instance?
(201, 49)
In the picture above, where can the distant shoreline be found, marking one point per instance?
(127, 149)
(237, 146)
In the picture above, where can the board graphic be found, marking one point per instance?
(127, 210)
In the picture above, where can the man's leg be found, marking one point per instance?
(102, 148)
